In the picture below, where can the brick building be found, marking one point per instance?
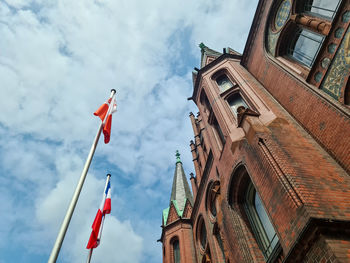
(271, 147)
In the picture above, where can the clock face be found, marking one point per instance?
(282, 14)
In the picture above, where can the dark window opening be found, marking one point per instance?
(203, 235)
(176, 251)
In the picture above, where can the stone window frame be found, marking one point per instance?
(223, 72)
(227, 94)
(220, 73)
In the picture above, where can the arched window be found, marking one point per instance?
(305, 46)
(201, 234)
(260, 222)
(213, 191)
(235, 101)
(224, 83)
(176, 251)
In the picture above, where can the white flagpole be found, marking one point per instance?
(89, 256)
(59, 240)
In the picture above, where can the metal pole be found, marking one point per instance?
(59, 240)
(89, 256)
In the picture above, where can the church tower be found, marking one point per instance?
(177, 235)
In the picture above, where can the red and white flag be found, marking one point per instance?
(105, 112)
(105, 208)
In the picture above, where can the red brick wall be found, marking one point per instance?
(324, 118)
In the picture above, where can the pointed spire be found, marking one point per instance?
(180, 190)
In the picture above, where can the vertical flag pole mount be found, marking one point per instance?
(59, 240)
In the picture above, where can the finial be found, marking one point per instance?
(202, 46)
(177, 157)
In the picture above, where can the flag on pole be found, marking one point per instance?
(104, 112)
(105, 208)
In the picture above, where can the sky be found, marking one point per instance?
(58, 62)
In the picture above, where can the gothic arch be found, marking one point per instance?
(235, 183)
(213, 189)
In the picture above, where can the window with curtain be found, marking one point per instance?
(260, 222)
(224, 83)
(235, 101)
(176, 251)
(322, 8)
(305, 46)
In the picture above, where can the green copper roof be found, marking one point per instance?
(165, 215)
(178, 211)
(180, 191)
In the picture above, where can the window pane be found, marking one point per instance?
(224, 83)
(326, 8)
(261, 224)
(176, 249)
(265, 221)
(306, 47)
(236, 101)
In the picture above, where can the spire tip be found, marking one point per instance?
(177, 157)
